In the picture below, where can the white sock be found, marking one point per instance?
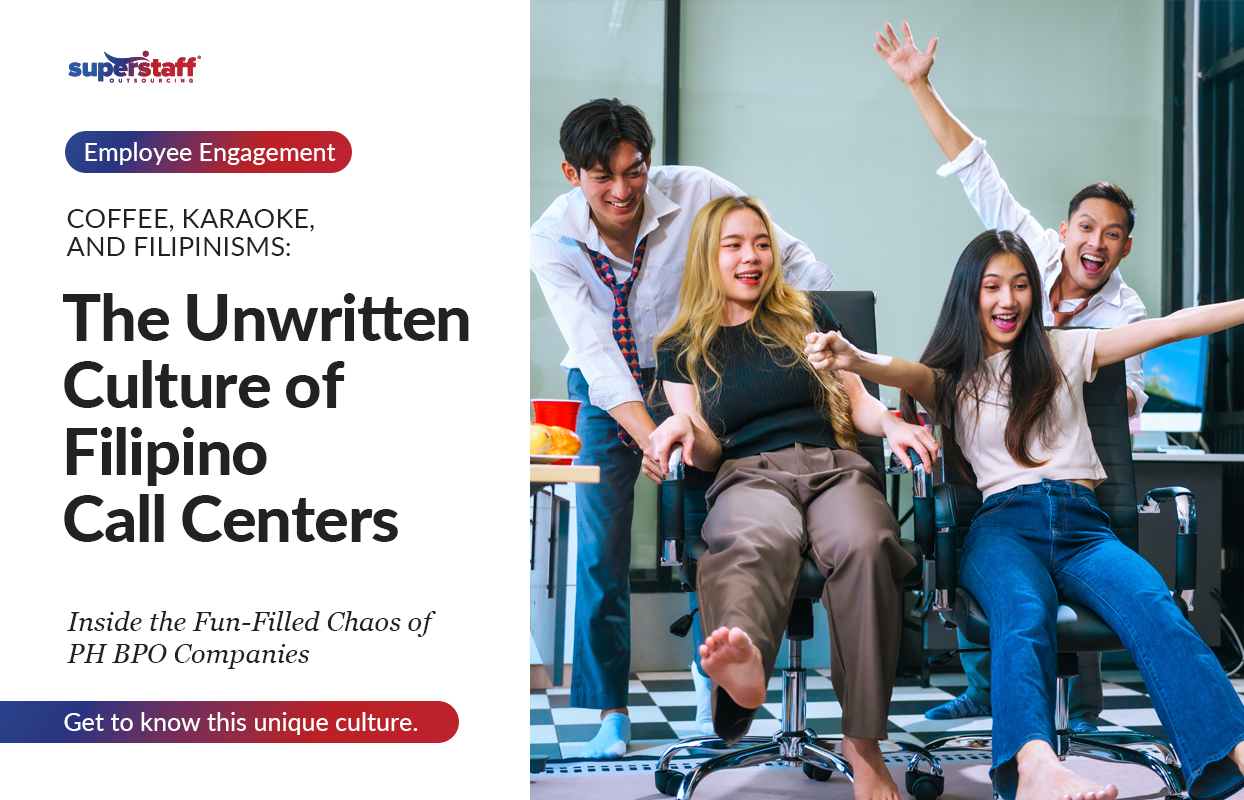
(612, 738)
(703, 701)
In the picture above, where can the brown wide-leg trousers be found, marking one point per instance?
(765, 513)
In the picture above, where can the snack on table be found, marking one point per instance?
(565, 441)
(541, 439)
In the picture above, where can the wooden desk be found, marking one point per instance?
(550, 542)
(545, 474)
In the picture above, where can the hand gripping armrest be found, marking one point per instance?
(1185, 538)
(946, 552)
(671, 496)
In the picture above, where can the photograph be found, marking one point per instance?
(886, 423)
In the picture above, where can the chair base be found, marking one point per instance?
(1113, 747)
(1101, 746)
(817, 755)
(794, 746)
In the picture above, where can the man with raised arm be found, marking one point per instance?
(1081, 287)
(609, 256)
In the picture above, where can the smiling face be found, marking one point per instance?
(744, 262)
(614, 191)
(1005, 302)
(1096, 241)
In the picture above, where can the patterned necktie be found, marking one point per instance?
(622, 333)
(1061, 318)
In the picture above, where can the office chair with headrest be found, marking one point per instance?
(683, 510)
(943, 514)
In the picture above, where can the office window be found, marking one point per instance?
(1221, 273)
(1222, 193)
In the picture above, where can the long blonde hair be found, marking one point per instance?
(781, 319)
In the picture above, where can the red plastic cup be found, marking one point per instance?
(562, 413)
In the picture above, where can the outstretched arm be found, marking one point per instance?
(829, 351)
(1116, 344)
(912, 68)
(870, 415)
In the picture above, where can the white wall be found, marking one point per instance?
(582, 50)
(789, 101)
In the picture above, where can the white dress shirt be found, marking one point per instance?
(1114, 305)
(583, 305)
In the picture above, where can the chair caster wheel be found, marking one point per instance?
(817, 773)
(668, 781)
(924, 786)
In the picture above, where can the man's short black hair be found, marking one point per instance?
(1106, 191)
(594, 130)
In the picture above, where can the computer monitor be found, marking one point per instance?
(1175, 384)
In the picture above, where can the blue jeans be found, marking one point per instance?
(601, 664)
(1084, 691)
(1033, 544)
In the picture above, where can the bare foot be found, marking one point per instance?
(872, 780)
(1043, 777)
(729, 658)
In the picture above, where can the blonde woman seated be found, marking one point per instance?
(782, 438)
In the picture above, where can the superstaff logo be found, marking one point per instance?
(136, 69)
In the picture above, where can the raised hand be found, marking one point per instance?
(907, 62)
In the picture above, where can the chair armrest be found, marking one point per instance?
(946, 547)
(1185, 537)
(670, 496)
(922, 506)
(933, 512)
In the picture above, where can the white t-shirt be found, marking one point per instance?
(981, 430)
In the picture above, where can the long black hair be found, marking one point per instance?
(956, 354)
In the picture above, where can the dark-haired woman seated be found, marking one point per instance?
(1009, 398)
(782, 438)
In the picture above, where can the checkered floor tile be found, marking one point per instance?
(662, 708)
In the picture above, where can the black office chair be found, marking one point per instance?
(683, 510)
(943, 514)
